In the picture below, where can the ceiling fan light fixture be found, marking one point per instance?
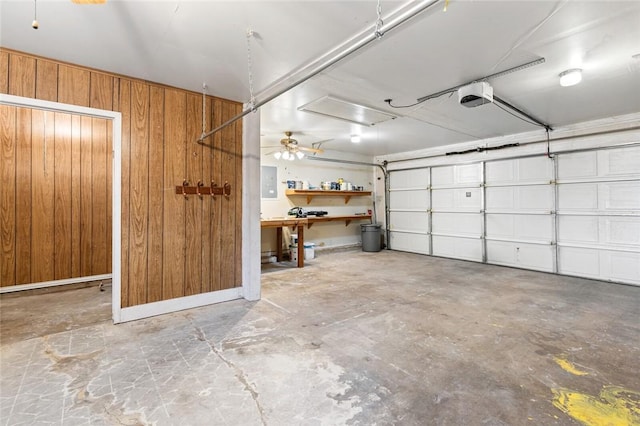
(277, 154)
(285, 155)
(570, 77)
(292, 157)
(300, 155)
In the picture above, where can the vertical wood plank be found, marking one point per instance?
(207, 206)
(139, 208)
(23, 197)
(98, 197)
(86, 222)
(46, 80)
(156, 193)
(101, 92)
(216, 224)
(8, 195)
(115, 105)
(42, 202)
(62, 196)
(237, 196)
(173, 263)
(4, 71)
(76, 185)
(22, 76)
(227, 253)
(73, 85)
(125, 109)
(193, 220)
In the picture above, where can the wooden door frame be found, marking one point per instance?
(116, 123)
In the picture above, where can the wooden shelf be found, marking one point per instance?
(310, 193)
(346, 219)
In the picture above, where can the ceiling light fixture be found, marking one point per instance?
(277, 154)
(570, 77)
(355, 139)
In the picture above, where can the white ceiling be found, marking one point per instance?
(188, 43)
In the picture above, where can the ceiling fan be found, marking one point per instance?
(89, 1)
(289, 148)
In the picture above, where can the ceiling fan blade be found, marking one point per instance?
(89, 1)
(271, 146)
(314, 150)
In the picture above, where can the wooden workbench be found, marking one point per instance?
(297, 224)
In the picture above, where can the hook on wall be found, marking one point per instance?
(185, 183)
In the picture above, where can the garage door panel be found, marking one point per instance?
(606, 196)
(606, 163)
(579, 261)
(456, 199)
(414, 243)
(578, 165)
(469, 174)
(409, 221)
(619, 162)
(582, 196)
(600, 264)
(414, 200)
(526, 170)
(578, 229)
(521, 255)
(531, 198)
(622, 266)
(418, 178)
(520, 227)
(620, 196)
(457, 223)
(603, 230)
(621, 231)
(458, 248)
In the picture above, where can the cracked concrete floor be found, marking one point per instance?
(352, 338)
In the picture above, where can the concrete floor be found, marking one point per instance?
(353, 338)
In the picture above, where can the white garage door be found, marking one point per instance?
(520, 213)
(409, 206)
(599, 214)
(457, 221)
(577, 214)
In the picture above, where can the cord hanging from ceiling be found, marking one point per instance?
(379, 22)
(252, 98)
(204, 109)
(35, 24)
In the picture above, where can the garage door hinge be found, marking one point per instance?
(552, 182)
(552, 212)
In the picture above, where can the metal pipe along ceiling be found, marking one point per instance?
(332, 57)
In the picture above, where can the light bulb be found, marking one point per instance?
(277, 155)
(570, 77)
(285, 155)
(300, 155)
(292, 157)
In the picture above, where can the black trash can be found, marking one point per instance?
(371, 237)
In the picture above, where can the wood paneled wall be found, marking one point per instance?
(171, 246)
(54, 196)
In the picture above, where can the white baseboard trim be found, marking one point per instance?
(179, 304)
(45, 284)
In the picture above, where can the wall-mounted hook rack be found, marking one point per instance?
(185, 189)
